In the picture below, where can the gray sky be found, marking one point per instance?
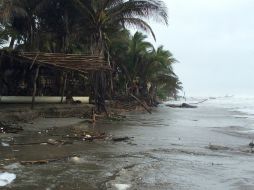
(214, 43)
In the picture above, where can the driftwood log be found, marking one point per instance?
(183, 105)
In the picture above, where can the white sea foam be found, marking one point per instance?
(244, 105)
(6, 178)
(122, 186)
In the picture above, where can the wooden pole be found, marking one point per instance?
(35, 85)
(64, 86)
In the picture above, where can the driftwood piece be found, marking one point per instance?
(183, 105)
(118, 139)
(35, 162)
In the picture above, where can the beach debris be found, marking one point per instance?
(217, 147)
(31, 162)
(9, 128)
(77, 160)
(46, 161)
(85, 135)
(57, 142)
(118, 139)
(183, 105)
(53, 142)
(251, 145)
(116, 117)
(6, 178)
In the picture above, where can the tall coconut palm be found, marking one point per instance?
(105, 16)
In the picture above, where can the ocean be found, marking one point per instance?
(242, 106)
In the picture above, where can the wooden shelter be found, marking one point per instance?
(34, 64)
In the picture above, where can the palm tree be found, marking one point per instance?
(104, 16)
(21, 15)
(159, 72)
(140, 62)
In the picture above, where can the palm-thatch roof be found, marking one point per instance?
(76, 62)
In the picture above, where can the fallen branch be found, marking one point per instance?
(141, 103)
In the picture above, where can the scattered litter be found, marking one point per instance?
(52, 142)
(77, 160)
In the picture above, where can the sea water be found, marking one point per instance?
(239, 104)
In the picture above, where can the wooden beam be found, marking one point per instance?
(35, 85)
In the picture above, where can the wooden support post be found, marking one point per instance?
(35, 85)
(64, 86)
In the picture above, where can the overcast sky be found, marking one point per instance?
(214, 43)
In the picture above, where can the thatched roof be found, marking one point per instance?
(76, 62)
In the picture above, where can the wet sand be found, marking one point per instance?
(203, 148)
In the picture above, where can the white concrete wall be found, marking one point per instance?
(40, 99)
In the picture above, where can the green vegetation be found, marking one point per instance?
(97, 27)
